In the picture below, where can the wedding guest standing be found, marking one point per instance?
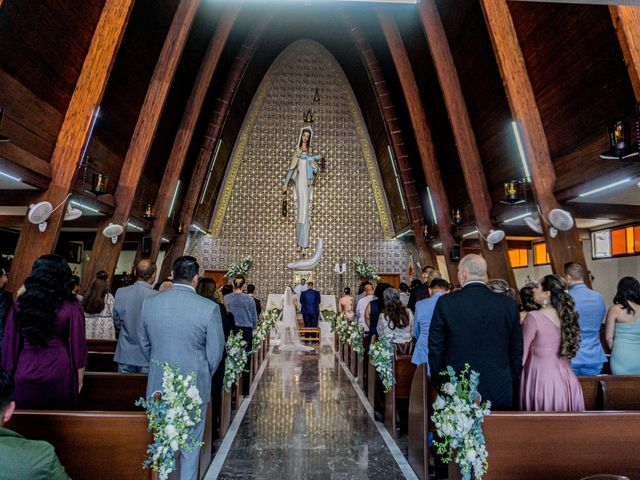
(395, 321)
(528, 301)
(422, 320)
(183, 329)
(551, 340)
(477, 326)
(98, 311)
(6, 302)
(251, 290)
(126, 314)
(44, 344)
(245, 316)
(591, 309)
(623, 328)
(345, 305)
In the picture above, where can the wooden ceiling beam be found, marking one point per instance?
(214, 129)
(604, 210)
(20, 163)
(187, 126)
(566, 246)
(105, 253)
(73, 135)
(396, 138)
(626, 21)
(498, 262)
(422, 134)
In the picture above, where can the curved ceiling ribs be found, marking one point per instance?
(395, 134)
(214, 128)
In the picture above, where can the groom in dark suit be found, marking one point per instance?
(479, 327)
(310, 302)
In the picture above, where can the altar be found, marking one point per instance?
(327, 302)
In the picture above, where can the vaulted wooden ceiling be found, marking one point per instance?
(573, 58)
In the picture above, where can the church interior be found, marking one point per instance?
(158, 129)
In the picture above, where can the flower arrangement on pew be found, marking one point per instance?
(381, 353)
(458, 416)
(365, 269)
(330, 316)
(356, 337)
(236, 360)
(259, 334)
(241, 268)
(172, 415)
(342, 328)
(270, 319)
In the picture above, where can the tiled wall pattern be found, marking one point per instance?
(349, 209)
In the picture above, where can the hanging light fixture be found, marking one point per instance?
(456, 216)
(620, 147)
(515, 191)
(149, 212)
(99, 185)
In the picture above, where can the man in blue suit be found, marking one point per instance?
(592, 309)
(422, 321)
(310, 302)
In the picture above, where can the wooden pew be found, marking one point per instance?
(403, 371)
(99, 345)
(101, 362)
(372, 376)
(423, 394)
(96, 445)
(620, 392)
(112, 391)
(592, 392)
(554, 445)
(353, 361)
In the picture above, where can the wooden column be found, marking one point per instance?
(104, 255)
(566, 247)
(422, 134)
(214, 129)
(187, 125)
(499, 265)
(626, 21)
(396, 138)
(73, 135)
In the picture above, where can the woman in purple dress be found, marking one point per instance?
(44, 343)
(551, 340)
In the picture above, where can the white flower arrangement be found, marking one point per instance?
(330, 316)
(342, 327)
(259, 334)
(270, 318)
(241, 268)
(172, 415)
(458, 416)
(365, 269)
(381, 353)
(356, 337)
(236, 360)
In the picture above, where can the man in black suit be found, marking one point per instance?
(479, 327)
(422, 291)
(251, 290)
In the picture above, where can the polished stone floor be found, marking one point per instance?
(305, 421)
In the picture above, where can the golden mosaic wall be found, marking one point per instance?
(349, 209)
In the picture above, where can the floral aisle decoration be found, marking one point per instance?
(236, 360)
(330, 316)
(342, 328)
(381, 353)
(458, 416)
(259, 334)
(241, 268)
(270, 318)
(172, 415)
(365, 269)
(356, 337)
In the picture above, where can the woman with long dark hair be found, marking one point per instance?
(395, 320)
(551, 340)
(44, 344)
(527, 300)
(98, 311)
(623, 328)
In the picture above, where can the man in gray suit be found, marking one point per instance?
(126, 316)
(185, 330)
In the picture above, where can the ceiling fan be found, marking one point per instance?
(493, 238)
(40, 212)
(113, 231)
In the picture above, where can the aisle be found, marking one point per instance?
(305, 421)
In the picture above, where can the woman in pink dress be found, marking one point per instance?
(551, 339)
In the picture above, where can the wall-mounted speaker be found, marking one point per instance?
(455, 253)
(145, 247)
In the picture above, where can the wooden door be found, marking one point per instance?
(217, 276)
(392, 279)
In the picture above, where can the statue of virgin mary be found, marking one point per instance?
(303, 171)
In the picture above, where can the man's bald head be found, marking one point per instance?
(472, 267)
(146, 270)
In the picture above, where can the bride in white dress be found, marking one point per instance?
(289, 333)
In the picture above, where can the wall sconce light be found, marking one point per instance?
(149, 212)
(514, 191)
(308, 116)
(456, 216)
(100, 182)
(3, 138)
(620, 147)
(316, 96)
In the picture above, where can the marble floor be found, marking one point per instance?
(306, 421)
